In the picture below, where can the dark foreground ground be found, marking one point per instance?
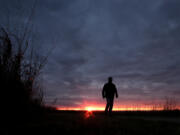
(96, 123)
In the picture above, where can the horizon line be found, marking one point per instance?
(102, 109)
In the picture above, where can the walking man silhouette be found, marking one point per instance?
(108, 92)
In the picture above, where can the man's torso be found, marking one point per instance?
(109, 90)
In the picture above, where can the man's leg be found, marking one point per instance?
(111, 100)
(107, 105)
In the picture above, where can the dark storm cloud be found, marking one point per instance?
(136, 42)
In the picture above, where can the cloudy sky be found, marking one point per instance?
(135, 41)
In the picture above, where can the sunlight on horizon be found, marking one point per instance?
(95, 108)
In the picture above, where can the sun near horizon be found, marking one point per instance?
(100, 108)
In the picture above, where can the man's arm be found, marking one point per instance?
(103, 92)
(116, 91)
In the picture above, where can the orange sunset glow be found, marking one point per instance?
(101, 108)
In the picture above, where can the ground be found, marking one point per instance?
(97, 123)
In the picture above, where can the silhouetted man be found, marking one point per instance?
(108, 92)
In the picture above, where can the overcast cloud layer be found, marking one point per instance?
(134, 41)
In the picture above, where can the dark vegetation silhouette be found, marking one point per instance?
(19, 77)
(108, 92)
(20, 68)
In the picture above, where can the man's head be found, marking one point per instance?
(110, 79)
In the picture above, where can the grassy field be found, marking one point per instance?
(96, 123)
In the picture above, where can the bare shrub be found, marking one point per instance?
(20, 67)
(169, 104)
